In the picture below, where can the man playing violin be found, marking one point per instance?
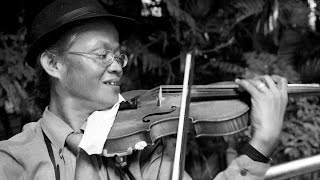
(75, 52)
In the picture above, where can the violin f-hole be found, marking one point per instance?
(159, 111)
(146, 120)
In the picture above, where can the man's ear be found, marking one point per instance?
(50, 64)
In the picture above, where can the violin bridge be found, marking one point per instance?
(160, 96)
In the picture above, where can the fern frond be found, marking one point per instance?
(266, 63)
(285, 68)
(14, 74)
(247, 8)
(12, 93)
(150, 62)
(310, 70)
(180, 15)
(198, 8)
(227, 67)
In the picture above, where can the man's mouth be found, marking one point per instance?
(112, 83)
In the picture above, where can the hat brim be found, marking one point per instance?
(125, 27)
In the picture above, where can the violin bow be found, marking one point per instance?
(182, 133)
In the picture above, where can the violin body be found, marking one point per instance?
(155, 113)
(150, 121)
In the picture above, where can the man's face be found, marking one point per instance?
(85, 80)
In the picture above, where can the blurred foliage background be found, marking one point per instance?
(231, 39)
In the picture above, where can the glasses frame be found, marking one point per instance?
(122, 63)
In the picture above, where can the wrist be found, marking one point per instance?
(264, 145)
(245, 148)
(266, 135)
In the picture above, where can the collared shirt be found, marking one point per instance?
(25, 156)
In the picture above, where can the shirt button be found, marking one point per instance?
(243, 172)
(60, 153)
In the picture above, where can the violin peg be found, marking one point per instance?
(121, 161)
(129, 150)
(105, 152)
(160, 98)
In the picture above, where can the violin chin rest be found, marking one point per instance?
(132, 94)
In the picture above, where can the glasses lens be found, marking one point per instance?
(122, 60)
(109, 58)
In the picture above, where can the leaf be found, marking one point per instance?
(150, 62)
(14, 74)
(180, 15)
(227, 67)
(310, 70)
(198, 8)
(266, 63)
(268, 22)
(247, 8)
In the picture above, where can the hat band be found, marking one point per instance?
(75, 14)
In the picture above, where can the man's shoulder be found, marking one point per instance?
(25, 156)
(29, 137)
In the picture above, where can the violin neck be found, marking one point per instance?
(304, 89)
(232, 90)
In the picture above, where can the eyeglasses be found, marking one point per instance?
(106, 58)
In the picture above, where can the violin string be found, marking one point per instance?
(226, 90)
(201, 92)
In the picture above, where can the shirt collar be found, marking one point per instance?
(55, 128)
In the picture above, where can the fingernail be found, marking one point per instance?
(237, 80)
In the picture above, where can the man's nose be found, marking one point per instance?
(115, 67)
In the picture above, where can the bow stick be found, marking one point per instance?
(181, 143)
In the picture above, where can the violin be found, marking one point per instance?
(214, 110)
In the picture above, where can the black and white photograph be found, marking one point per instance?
(160, 90)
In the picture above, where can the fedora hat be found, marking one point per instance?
(61, 14)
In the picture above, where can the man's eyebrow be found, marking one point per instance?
(106, 46)
(94, 49)
(117, 49)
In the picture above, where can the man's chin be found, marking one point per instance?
(109, 104)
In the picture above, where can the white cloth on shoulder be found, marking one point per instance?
(99, 124)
